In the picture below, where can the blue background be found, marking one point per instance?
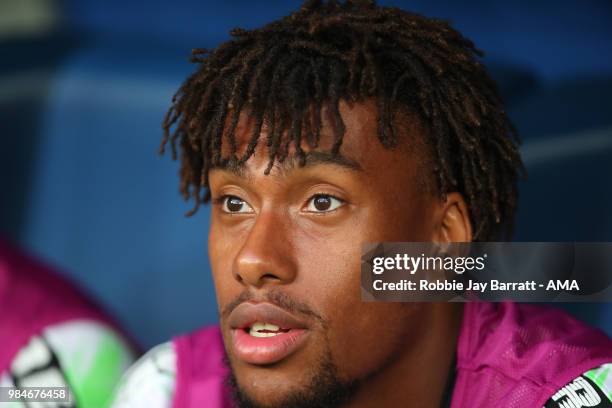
(80, 119)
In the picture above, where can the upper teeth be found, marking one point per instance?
(264, 330)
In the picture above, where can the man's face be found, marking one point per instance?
(285, 250)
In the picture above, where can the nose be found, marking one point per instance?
(266, 256)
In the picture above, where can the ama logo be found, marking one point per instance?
(567, 285)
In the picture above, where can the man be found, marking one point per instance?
(339, 124)
(51, 335)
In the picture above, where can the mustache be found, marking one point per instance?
(277, 298)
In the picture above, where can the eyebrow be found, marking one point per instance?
(293, 162)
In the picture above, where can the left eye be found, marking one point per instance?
(323, 203)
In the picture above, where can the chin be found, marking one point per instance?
(267, 387)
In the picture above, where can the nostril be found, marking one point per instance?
(269, 276)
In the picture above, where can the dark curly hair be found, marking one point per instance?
(286, 72)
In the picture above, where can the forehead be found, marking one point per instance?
(361, 148)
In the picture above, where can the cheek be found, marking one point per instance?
(222, 250)
(399, 219)
(361, 336)
(366, 337)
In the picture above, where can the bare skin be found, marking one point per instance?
(274, 237)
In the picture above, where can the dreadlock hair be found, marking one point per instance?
(288, 71)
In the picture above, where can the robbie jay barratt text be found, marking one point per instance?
(493, 285)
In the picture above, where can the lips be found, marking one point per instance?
(262, 333)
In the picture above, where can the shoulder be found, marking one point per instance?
(529, 331)
(151, 381)
(174, 371)
(86, 356)
(528, 347)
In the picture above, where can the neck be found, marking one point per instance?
(419, 372)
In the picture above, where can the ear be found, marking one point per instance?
(454, 220)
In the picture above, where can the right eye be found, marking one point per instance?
(235, 205)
